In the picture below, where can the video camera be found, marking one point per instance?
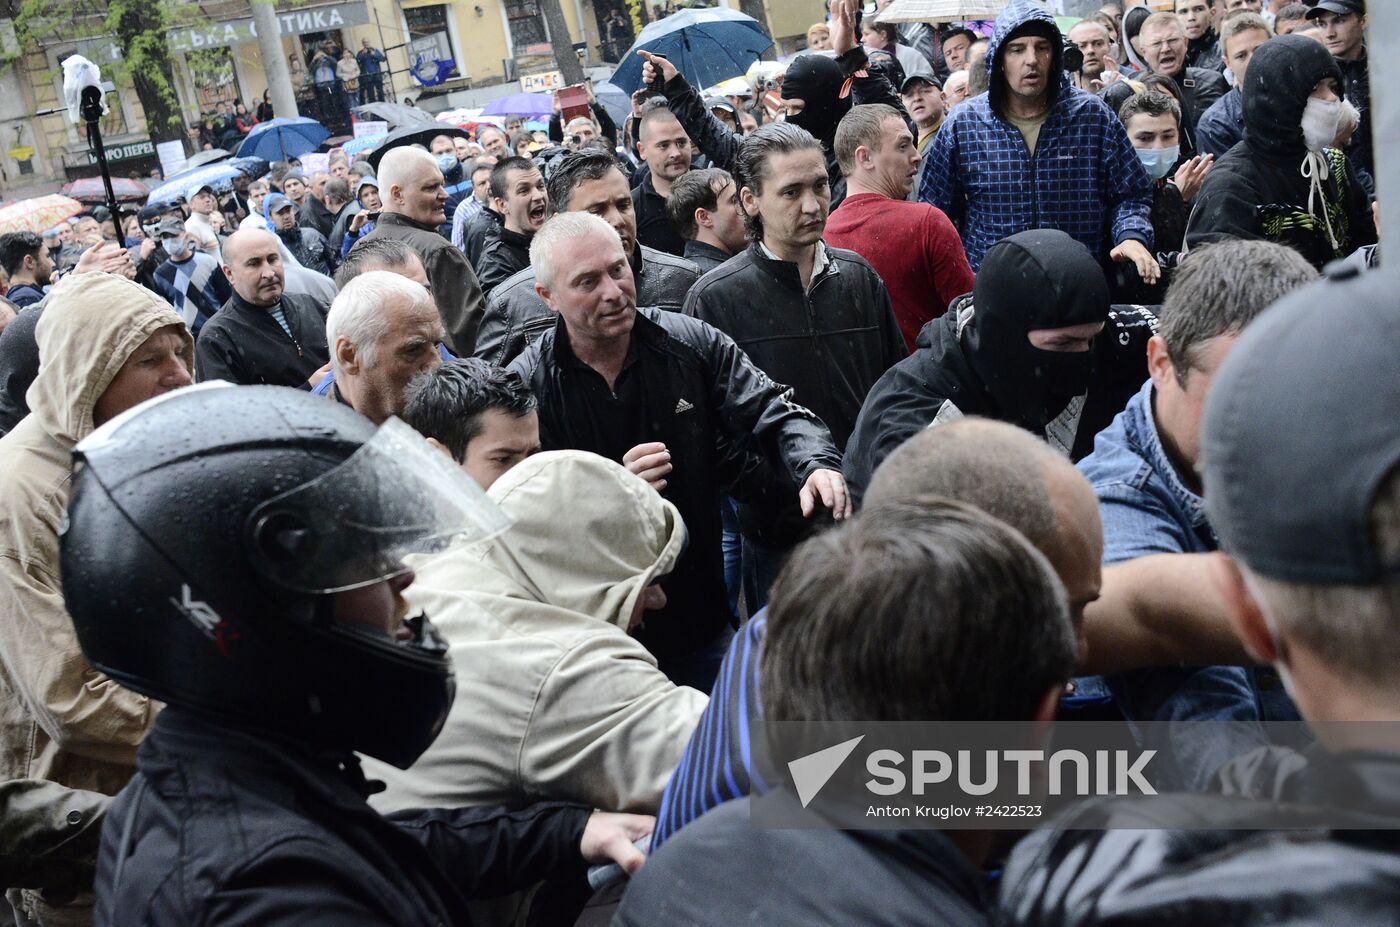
(1073, 58)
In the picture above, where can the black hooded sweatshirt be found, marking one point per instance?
(977, 360)
(1257, 190)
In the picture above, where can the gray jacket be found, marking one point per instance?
(516, 316)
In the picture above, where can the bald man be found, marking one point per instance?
(411, 187)
(262, 334)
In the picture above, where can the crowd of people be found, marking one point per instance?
(391, 545)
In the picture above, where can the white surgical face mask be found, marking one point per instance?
(1158, 162)
(1320, 121)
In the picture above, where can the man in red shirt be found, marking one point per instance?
(912, 246)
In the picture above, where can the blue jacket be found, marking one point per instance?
(1222, 126)
(1147, 509)
(1083, 177)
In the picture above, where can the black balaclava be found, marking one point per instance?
(1037, 279)
(817, 81)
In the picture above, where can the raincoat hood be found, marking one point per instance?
(91, 324)
(1132, 25)
(1281, 77)
(1034, 280)
(629, 536)
(1021, 18)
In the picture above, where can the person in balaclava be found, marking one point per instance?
(1036, 343)
(1286, 182)
(817, 91)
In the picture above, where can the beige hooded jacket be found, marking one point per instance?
(554, 698)
(60, 719)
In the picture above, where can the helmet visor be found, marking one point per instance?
(354, 525)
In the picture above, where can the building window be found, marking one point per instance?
(211, 72)
(428, 35)
(526, 25)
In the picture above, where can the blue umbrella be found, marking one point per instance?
(218, 176)
(363, 143)
(521, 104)
(282, 138)
(705, 45)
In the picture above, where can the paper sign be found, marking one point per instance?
(363, 128)
(172, 157)
(541, 83)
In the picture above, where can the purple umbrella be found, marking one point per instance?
(521, 104)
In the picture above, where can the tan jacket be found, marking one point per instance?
(60, 719)
(554, 699)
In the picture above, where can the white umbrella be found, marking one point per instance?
(940, 11)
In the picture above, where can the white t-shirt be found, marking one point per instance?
(203, 232)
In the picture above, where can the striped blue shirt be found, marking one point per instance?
(717, 765)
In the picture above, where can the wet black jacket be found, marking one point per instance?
(311, 250)
(709, 404)
(19, 365)
(1093, 866)
(1257, 190)
(243, 343)
(1357, 83)
(504, 254)
(976, 360)
(222, 827)
(830, 343)
(704, 256)
(516, 316)
(479, 227)
(721, 870)
(1205, 52)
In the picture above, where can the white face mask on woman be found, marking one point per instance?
(1321, 119)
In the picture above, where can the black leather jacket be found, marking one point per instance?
(516, 316)
(223, 827)
(712, 407)
(1174, 860)
(504, 254)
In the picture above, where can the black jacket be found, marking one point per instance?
(505, 254)
(243, 343)
(830, 343)
(19, 365)
(1257, 191)
(1205, 52)
(653, 224)
(708, 403)
(313, 214)
(342, 224)
(455, 287)
(224, 827)
(1169, 860)
(310, 249)
(722, 870)
(706, 257)
(1357, 83)
(479, 227)
(940, 382)
(516, 316)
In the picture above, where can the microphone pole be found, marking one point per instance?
(91, 109)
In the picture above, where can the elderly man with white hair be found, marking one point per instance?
(383, 330)
(672, 399)
(413, 195)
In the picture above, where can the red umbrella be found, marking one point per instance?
(90, 190)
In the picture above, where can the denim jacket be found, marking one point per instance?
(1147, 509)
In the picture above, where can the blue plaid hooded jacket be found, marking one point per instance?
(1084, 177)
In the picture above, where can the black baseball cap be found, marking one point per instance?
(1337, 6)
(927, 77)
(1301, 428)
(170, 227)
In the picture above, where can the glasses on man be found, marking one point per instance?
(1175, 42)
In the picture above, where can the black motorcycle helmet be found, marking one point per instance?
(207, 533)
